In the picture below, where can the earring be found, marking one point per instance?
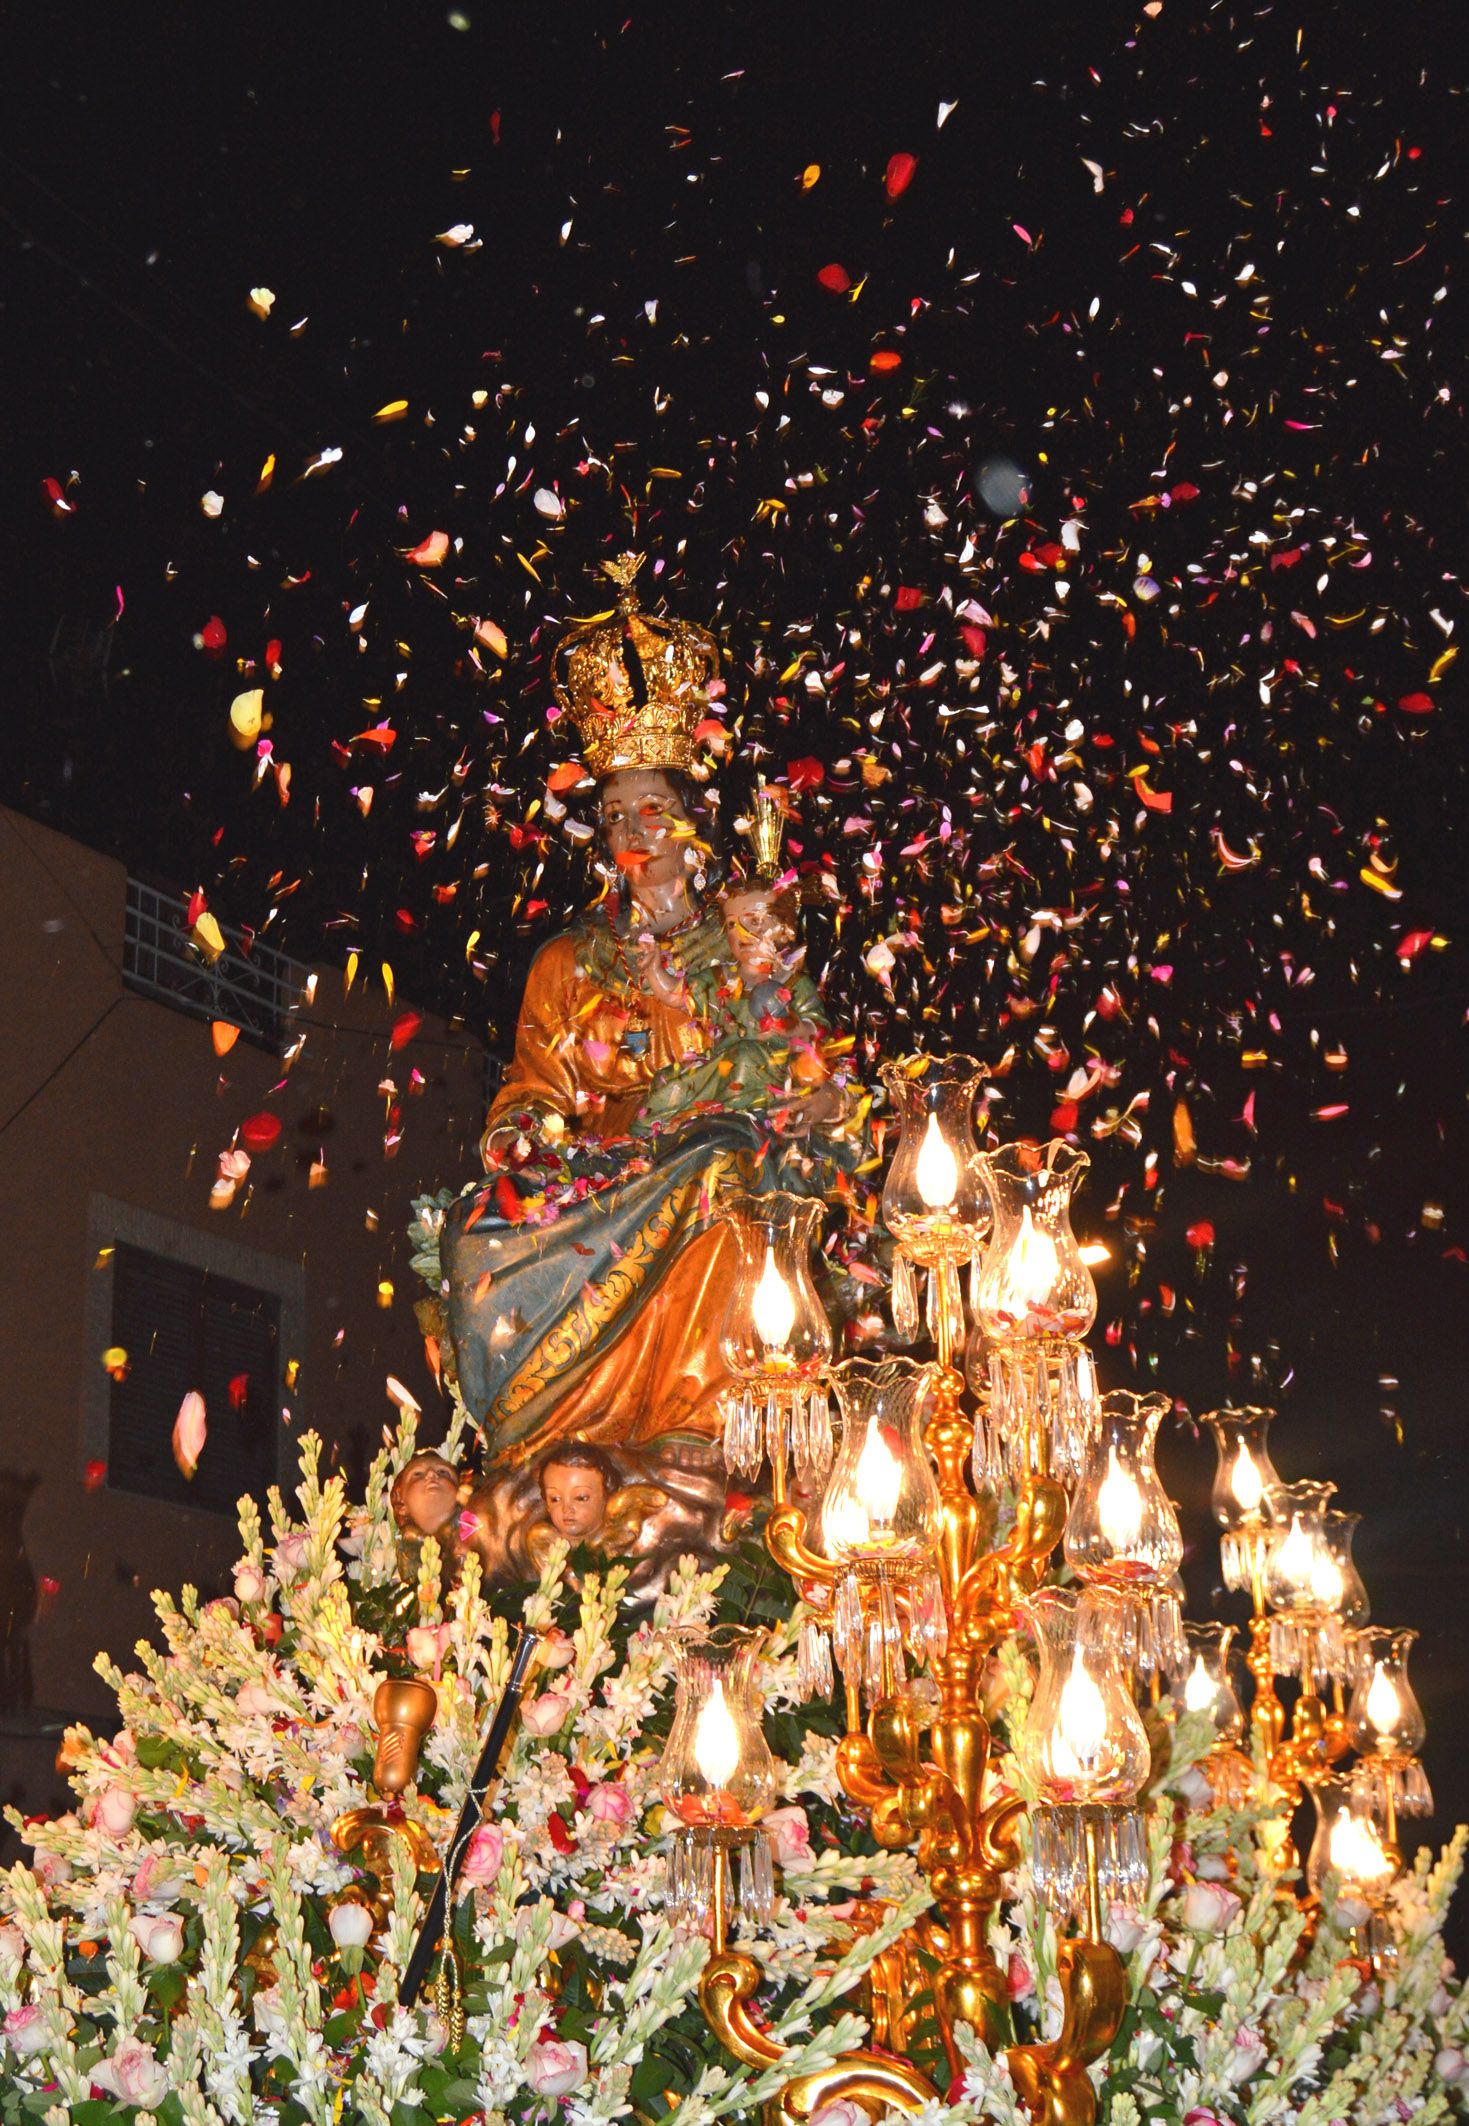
(701, 879)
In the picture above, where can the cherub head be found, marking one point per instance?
(759, 927)
(425, 1494)
(576, 1482)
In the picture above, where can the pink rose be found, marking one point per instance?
(1208, 1908)
(249, 1584)
(1124, 1927)
(482, 1858)
(557, 1650)
(841, 2111)
(1249, 2054)
(545, 1715)
(160, 1936)
(134, 2075)
(257, 1698)
(52, 1868)
(553, 2066)
(1449, 2065)
(290, 1557)
(609, 1802)
(1019, 1978)
(25, 2031)
(154, 1880)
(1201, 2115)
(114, 1810)
(427, 1644)
(12, 1942)
(790, 1839)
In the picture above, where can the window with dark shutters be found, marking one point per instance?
(184, 1328)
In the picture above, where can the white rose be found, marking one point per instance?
(1208, 1908)
(160, 1936)
(350, 1924)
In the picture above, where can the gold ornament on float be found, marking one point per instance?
(635, 684)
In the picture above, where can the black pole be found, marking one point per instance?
(437, 1917)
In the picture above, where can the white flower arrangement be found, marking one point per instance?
(187, 1945)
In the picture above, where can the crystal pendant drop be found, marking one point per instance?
(819, 1430)
(905, 1299)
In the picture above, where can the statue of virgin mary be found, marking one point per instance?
(586, 1277)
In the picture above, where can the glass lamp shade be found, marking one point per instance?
(1083, 1740)
(1243, 1481)
(1033, 1285)
(1305, 1586)
(1347, 1859)
(1339, 1528)
(1383, 1715)
(934, 1201)
(1206, 1684)
(1302, 1574)
(1122, 1530)
(881, 1504)
(716, 1771)
(775, 1322)
(776, 1341)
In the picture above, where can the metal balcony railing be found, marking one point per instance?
(253, 991)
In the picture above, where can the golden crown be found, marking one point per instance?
(636, 684)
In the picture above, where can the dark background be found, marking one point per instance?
(1254, 433)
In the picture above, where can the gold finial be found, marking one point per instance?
(767, 830)
(622, 571)
(635, 684)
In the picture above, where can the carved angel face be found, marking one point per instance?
(576, 1500)
(426, 1494)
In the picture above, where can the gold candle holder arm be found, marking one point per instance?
(876, 2085)
(1052, 2077)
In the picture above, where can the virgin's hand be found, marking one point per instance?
(797, 1118)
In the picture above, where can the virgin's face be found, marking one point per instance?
(646, 827)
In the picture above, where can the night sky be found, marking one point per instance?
(1057, 412)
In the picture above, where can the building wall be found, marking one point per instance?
(113, 1111)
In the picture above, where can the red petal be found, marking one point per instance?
(260, 1133)
(836, 278)
(900, 174)
(1416, 704)
(884, 360)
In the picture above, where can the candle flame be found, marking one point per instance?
(937, 1173)
(878, 1477)
(716, 1738)
(1031, 1267)
(773, 1306)
(1081, 1721)
(1246, 1482)
(1119, 1508)
(1296, 1556)
(1356, 1850)
(1384, 1706)
(1200, 1690)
